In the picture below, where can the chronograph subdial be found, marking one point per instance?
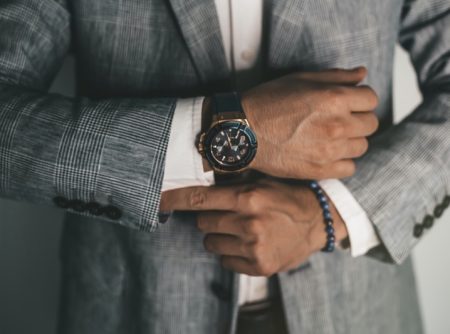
(230, 146)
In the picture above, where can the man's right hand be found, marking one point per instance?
(311, 125)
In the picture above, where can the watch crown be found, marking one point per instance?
(201, 144)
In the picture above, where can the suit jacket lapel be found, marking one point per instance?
(200, 28)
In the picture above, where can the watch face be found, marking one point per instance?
(230, 146)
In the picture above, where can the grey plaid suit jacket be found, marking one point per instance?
(106, 148)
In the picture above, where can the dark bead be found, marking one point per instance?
(220, 292)
(438, 211)
(112, 212)
(327, 215)
(322, 199)
(61, 202)
(331, 238)
(319, 191)
(78, 206)
(428, 221)
(329, 229)
(329, 222)
(94, 208)
(314, 185)
(329, 247)
(418, 230)
(325, 206)
(446, 202)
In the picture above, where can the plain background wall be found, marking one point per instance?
(29, 242)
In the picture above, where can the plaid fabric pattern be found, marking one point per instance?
(134, 58)
(109, 150)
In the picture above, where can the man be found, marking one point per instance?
(107, 154)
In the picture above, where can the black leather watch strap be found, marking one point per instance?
(226, 103)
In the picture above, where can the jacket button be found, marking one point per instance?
(61, 202)
(219, 291)
(446, 202)
(164, 216)
(112, 212)
(438, 211)
(78, 206)
(94, 208)
(418, 230)
(428, 221)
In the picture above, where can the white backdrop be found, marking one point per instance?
(29, 241)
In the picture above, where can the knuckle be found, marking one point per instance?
(253, 227)
(252, 199)
(198, 198)
(334, 130)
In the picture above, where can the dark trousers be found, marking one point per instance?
(262, 318)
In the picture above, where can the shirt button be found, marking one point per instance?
(438, 211)
(418, 230)
(112, 212)
(247, 55)
(446, 202)
(428, 221)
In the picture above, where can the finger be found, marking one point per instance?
(361, 125)
(336, 170)
(336, 76)
(355, 147)
(220, 222)
(361, 98)
(239, 265)
(200, 198)
(222, 244)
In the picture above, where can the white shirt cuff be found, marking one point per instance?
(184, 166)
(360, 229)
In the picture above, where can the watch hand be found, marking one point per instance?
(228, 139)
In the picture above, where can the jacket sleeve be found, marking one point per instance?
(403, 182)
(102, 158)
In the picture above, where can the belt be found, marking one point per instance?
(265, 317)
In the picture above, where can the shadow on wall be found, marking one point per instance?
(29, 249)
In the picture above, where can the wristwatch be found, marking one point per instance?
(229, 144)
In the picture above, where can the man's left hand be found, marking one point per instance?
(258, 229)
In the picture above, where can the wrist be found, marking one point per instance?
(318, 234)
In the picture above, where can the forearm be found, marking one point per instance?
(110, 152)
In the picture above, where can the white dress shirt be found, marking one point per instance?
(184, 166)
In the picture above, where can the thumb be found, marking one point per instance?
(335, 76)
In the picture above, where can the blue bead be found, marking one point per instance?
(331, 238)
(329, 229)
(322, 199)
(314, 184)
(328, 222)
(319, 191)
(325, 206)
(327, 215)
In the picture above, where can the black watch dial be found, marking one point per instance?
(230, 146)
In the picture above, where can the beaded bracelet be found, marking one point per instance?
(328, 220)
